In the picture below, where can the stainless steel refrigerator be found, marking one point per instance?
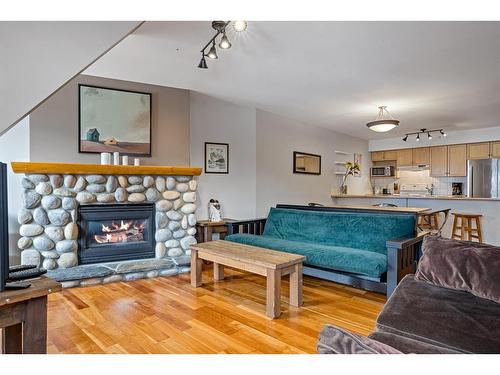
(483, 178)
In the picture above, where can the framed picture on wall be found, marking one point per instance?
(112, 120)
(216, 157)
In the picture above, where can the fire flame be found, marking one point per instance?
(124, 231)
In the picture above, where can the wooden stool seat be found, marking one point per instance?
(463, 223)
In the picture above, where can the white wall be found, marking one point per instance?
(214, 120)
(14, 146)
(39, 57)
(277, 138)
(453, 137)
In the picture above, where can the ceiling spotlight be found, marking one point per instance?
(443, 133)
(240, 25)
(384, 121)
(224, 42)
(203, 62)
(418, 138)
(429, 135)
(213, 52)
(405, 138)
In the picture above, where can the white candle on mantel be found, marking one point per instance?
(125, 160)
(116, 158)
(105, 158)
(137, 162)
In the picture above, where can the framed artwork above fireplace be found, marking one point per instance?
(111, 120)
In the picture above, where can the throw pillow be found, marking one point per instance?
(461, 265)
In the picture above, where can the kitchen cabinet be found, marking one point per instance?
(478, 150)
(404, 157)
(420, 156)
(457, 160)
(384, 155)
(378, 156)
(495, 149)
(439, 161)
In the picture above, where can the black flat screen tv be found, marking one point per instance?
(4, 228)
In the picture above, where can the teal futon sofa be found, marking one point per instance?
(370, 249)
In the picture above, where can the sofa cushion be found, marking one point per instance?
(332, 257)
(409, 346)
(357, 230)
(461, 265)
(334, 340)
(444, 317)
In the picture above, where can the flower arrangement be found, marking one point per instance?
(351, 168)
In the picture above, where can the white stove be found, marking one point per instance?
(416, 190)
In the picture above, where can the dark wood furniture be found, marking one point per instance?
(23, 317)
(429, 220)
(205, 229)
(269, 263)
(463, 223)
(402, 253)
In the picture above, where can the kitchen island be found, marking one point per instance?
(488, 207)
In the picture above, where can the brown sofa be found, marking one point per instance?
(451, 305)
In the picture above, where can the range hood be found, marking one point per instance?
(418, 167)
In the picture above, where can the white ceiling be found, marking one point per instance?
(331, 74)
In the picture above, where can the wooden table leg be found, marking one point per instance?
(218, 272)
(35, 326)
(196, 268)
(296, 286)
(273, 295)
(12, 340)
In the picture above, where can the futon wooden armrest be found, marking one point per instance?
(402, 242)
(250, 226)
(402, 257)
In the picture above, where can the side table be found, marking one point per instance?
(205, 229)
(23, 317)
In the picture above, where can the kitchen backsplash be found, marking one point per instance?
(442, 185)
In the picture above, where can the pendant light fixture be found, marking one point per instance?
(220, 27)
(384, 121)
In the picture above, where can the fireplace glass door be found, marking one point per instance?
(114, 232)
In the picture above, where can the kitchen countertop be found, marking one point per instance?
(398, 196)
(377, 208)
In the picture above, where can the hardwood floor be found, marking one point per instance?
(168, 315)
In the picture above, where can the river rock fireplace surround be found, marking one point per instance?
(91, 224)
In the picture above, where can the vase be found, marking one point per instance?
(343, 189)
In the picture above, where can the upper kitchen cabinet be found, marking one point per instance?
(420, 156)
(495, 149)
(404, 157)
(457, 160)
(384, 155)
(448, 161)
(478, 150)
(439, 161)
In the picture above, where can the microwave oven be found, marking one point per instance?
(386, 171)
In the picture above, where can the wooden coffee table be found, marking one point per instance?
(269, 263)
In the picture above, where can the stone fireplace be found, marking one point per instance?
(121, 222)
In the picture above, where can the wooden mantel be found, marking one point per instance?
(76, 169)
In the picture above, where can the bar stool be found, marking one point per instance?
(465, 229)
(429, 221)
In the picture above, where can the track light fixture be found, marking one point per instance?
(220, 28)
(213, 52)
(203, 62)
(424, 131)
(224, 42)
